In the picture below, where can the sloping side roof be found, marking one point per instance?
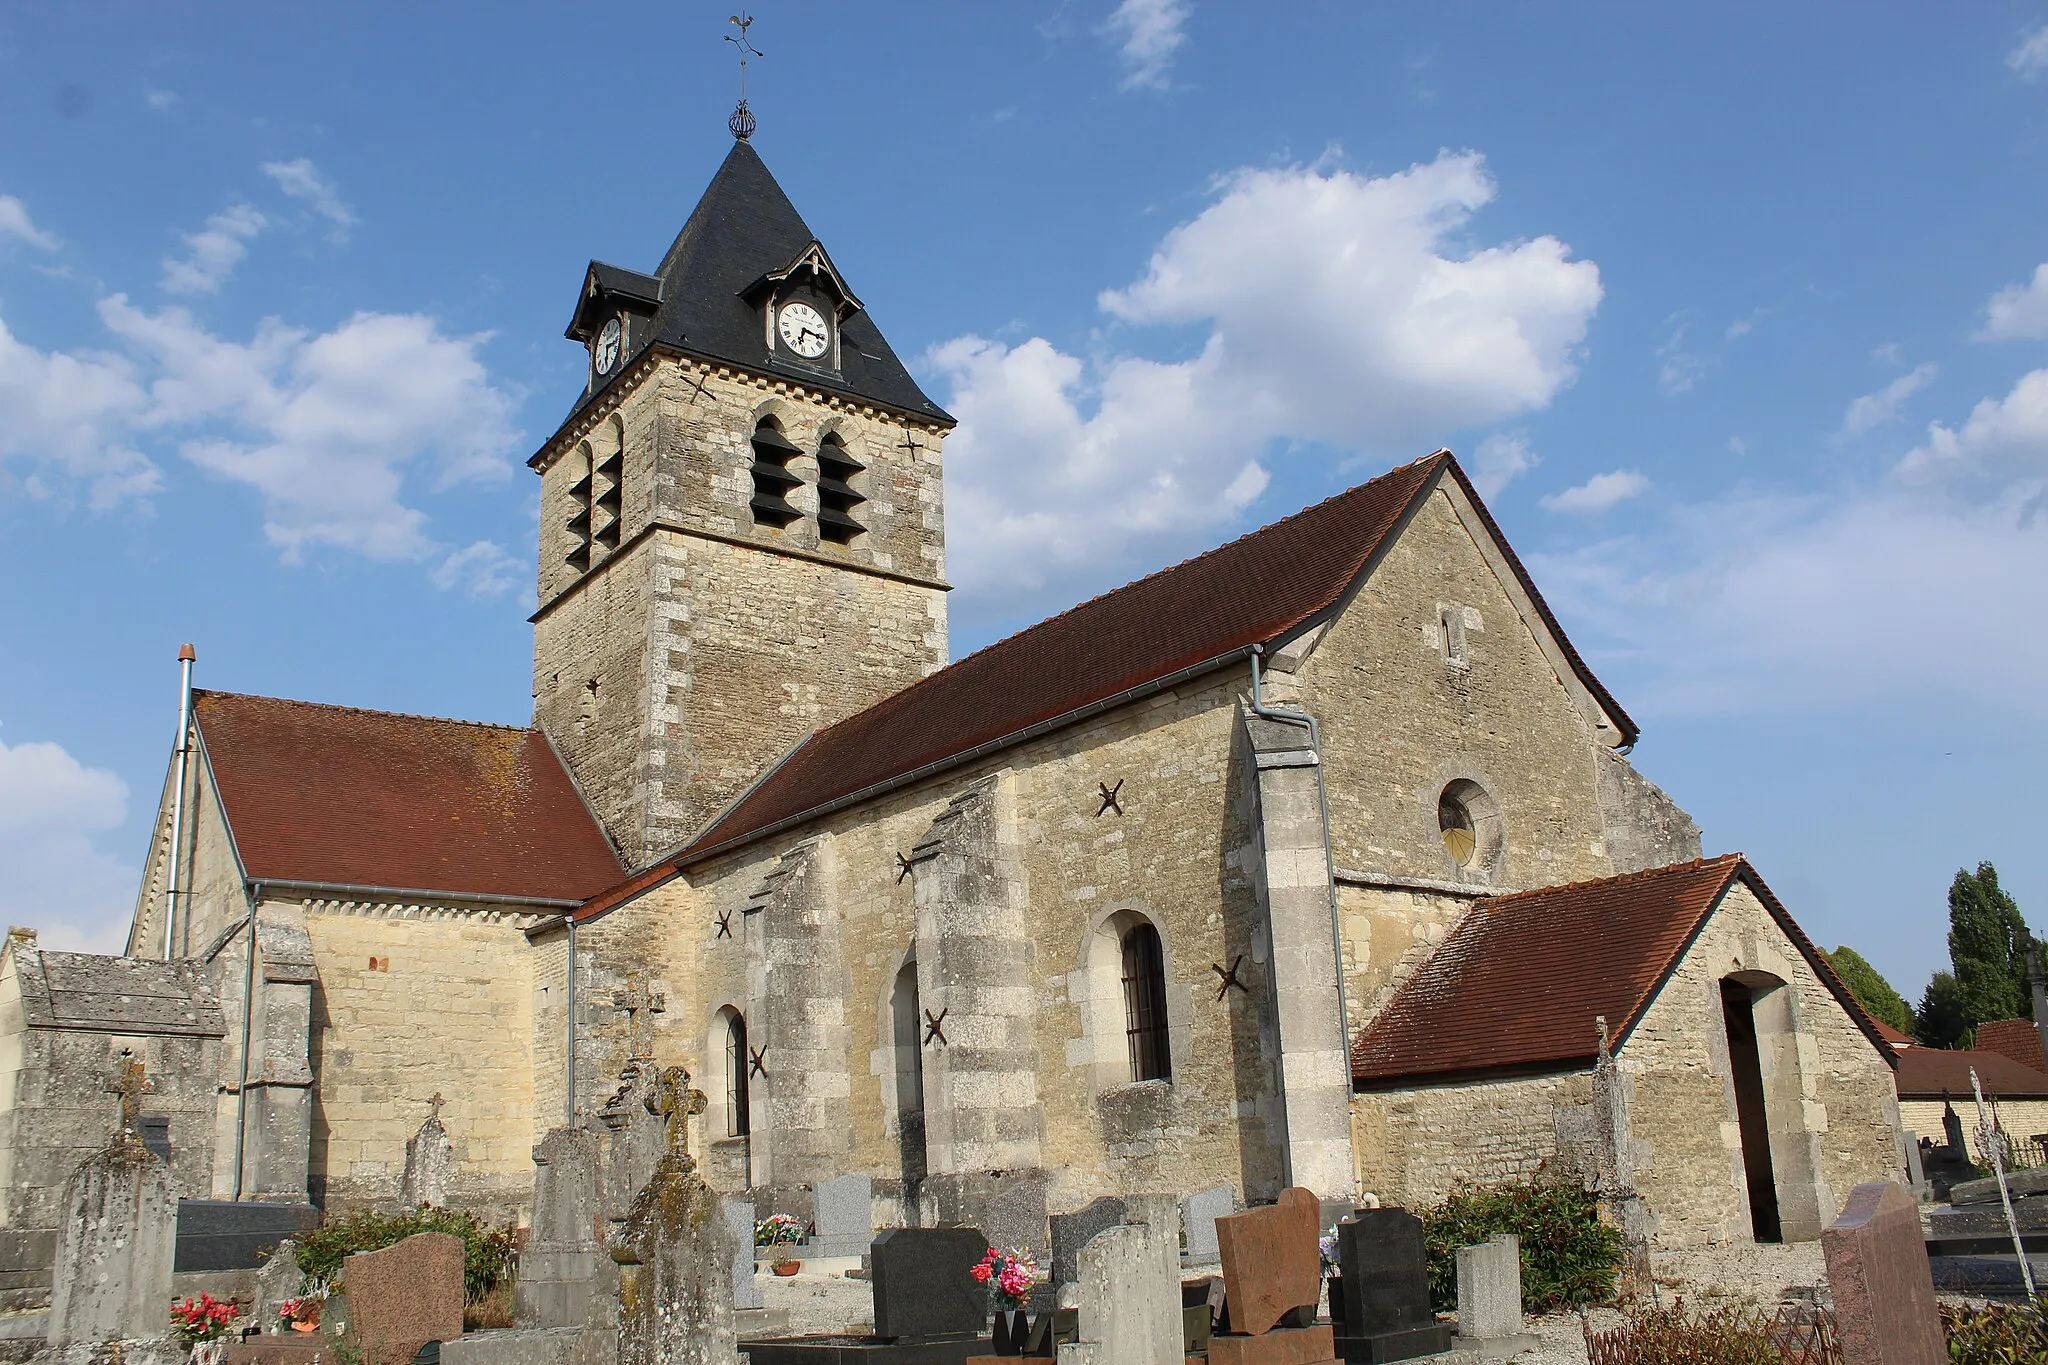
(1926, 1073)
(334, 795)
(2014, 1038)
(743, 228)
(1520, 981)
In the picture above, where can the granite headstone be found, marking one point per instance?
(924, 1284)
(1198, 1217)
(1490, 1298)
(1074, 1230)
(1271, 1261)
(1386, 1288)
(404, 1296)
(1885, 1311)
(843, 1213)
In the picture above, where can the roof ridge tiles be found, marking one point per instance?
(363, 710)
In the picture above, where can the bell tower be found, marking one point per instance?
(742, 533)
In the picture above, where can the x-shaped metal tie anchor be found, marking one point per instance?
(724, 924)
(1229, 977)
(903, 866)
(932, 1025)
(755, 1066)
(1109, 795)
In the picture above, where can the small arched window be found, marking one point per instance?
(1144, 979)
(1468, 820)
(737, 1122)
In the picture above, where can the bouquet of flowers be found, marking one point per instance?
(1327, 1244)
(303, 1308)
(778, 1229)
(204, 1318)
(1009, 1276)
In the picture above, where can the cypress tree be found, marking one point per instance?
(1986, 945)
(1871, 990)
(1940, 1021)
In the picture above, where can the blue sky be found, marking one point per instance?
(1734, 311)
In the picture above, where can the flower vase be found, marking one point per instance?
(1013, 1328)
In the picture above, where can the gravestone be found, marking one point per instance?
(404, 1296)
(746, 1289)
(116, 1240)
(1074, 1230)
(1272, 1263)
(1386, 1288)
(278, 1280)
(1490, 1298)
(566, 1279)
(843, 1214)
(1199, 1216)
(1129, 1278)
(1885, 1311)
(637, 1139)
(429, 1162)
(675, 1294)
(924, 1284)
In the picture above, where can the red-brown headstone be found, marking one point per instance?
(1271, 1260)
(1885, 1310)
(1284, 1346)
(404, 1296)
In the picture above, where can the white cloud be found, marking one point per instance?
(302, 180)
(69, 417)
(1066, 473)
(1910, 590)
(58, 880)
(481, 569)
(1148, 34)
(326, 426)
(1500, 459)
(2019, 312)
(216, 250)
(1597, 494)
(160, 99)
(1678, 368)
(15, 222)
(2030, 58)
(1875, 409)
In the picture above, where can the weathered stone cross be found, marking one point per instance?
(630, 1002)
(131, 1082)
(674, 1099)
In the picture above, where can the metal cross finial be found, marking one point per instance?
(742, 121)
(630, 1002)
(673, 1099)
(131, 1082)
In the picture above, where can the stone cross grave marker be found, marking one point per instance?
(565, 1277)
(1386, 1288)
(676, 1293)
(632, 1002)
(131, 1082)
(404, 1296)
(115, 1243)
(1885, 1310)
(429, 1161)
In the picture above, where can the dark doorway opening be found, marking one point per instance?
(1746, 1066)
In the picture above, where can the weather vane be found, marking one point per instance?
(742, 120)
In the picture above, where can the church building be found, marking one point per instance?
(1317, 859)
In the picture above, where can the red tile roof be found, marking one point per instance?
(2014, 1038)
(1892, 1035)
(334, 795)
(1260, 588)
(1926, 1072)
(1521, 979)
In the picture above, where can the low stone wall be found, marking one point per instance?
(1415, 1146)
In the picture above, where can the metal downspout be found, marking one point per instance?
(186, 657)
(255, 894)
(569, 1103)
(1315, 741)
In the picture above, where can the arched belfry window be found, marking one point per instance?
(1144, 981)
(837, 497)
(773, 478)
(737, 1123)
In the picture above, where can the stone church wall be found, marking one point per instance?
(415, 1000)
(1389, 931)
(716, 643)
(1415, 1146)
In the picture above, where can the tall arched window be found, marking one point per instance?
(1144, 979)
(736, 1113)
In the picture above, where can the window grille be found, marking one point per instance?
(1145, 1004)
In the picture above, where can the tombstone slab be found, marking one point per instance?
(1490, 1298)
(1272, 1263)
(1885, 1311)
(924, 1285)
(1073, 1230)
(1129, 1277)
(404, 1296)
(114, 1249)
(278, 1280)
(1198, 1219)
(746, 1289)
(565, 1277)
(843, 1212)
(1386, 1289)
(429, 1164)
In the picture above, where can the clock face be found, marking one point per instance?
(606, 352)
(803, 329)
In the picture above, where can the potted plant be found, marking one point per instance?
(779, 1230)
(206, 1323)
(1009, 1276)
(302, 1314)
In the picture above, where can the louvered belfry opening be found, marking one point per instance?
(837, 497)
(578, 525)
(773, 477)
(1145, 1004)
(607, 497)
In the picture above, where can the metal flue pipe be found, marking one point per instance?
(186, 657)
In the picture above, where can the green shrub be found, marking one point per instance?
(487, 1258)
(1997, 1334)
(1569, 1256)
